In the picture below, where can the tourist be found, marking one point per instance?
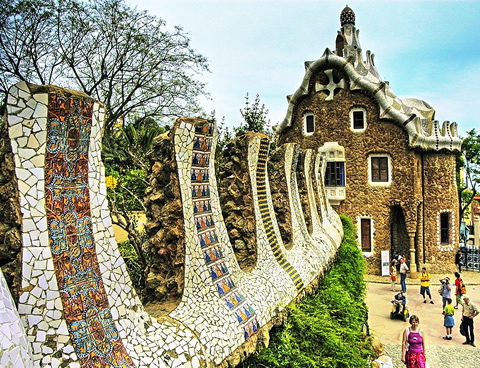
(446, 291)
(425, 285)
(403, 274)
(470, 311)
(448, 320)
(393, 273)
(382, 361)
(413, 345)
(459, 260)
(459, 290)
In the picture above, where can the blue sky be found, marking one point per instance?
(425, 49)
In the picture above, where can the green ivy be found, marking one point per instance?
(326, 329)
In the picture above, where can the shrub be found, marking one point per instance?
(326, 329)
(134, 266)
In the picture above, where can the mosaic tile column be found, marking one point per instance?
(77, 302)
(311, 248)
(330, 239)
(266, 215)
(268, 284)
(330, 220)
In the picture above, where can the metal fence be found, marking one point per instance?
(471, 259)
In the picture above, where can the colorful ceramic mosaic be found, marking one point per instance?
(207, 236)
(86, 309)
(77, 302)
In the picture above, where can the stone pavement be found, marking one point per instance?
(440, 353)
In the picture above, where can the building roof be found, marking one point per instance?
(414, 115)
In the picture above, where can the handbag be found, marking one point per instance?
(440, 290)
(394, 278)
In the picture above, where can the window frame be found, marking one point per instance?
(370, 170)
(353, 110)
(342, 174)
(448, 228)
(307, 114)
(360, 235)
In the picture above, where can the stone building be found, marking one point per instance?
(390, 164)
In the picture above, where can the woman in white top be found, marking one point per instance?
(382, 361)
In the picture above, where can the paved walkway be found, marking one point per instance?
(440, 353)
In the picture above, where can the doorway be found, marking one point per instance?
(400, 244)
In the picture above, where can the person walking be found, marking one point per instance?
(447, 291)
(425, 285)
(448, 321)
(459, 290)
(403, 274)
(393, 273)
(413, 345)
(469, 312)
(459, 260)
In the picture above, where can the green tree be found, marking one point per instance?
(255, 118)
(469, 163)
(119, 55)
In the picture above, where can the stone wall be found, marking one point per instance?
(276, 172)
(332, 124)
(302, 191)
(236, 199)
(165, 229)
(440, 197)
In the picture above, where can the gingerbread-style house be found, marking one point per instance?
(390, 165)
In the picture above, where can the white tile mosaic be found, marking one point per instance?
(221, 307)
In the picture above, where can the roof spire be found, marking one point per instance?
(347, 16)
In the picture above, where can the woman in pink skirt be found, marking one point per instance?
(413, 345)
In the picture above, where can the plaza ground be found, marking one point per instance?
(440, 353)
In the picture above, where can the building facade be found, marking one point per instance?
(390, 165)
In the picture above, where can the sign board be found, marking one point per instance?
(385, 262)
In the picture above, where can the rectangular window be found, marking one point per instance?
(335, 174)
(379, 169)
(358, 121)
(445, 228)
(366, 234)
(310, 123)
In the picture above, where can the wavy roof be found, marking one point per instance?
(414, 115)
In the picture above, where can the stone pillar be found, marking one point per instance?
(413, 264)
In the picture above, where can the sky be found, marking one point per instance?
(426, 49)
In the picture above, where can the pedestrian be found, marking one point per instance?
(393, 274)
(403, 274)
(425, 285)
(447, 291)
(413, 345)
(469, 312)
(459, 260)
(382, 361)
(448, 320)
(459, 290)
